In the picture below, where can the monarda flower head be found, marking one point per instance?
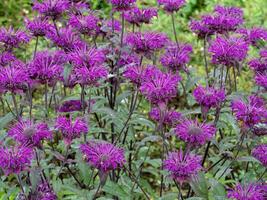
(138, 16)
(122, 5)
(250, 113)
(51, 8)
(161, 87)
(103, 155)
(199, 28)
(28, 133)
(6, 58)
(194, 132)
(45, 192)
(71, 129)
(254, 35)
(12, 39)
(225, 19)
(259, 65)
(38, 26)
(128, 59)
(176, 57)
(260, 153)
(146, 43)
(261, 80)
(250, 191)
(228, 51)
(171, 5)
(14, 78)
(47, 67)
(85, 24)
(70, 106)
(66, 39)
(15, 159)
(168, 118)
(182, 166)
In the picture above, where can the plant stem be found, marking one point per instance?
(15, 105)
(205, 57)
(46, 99)
(35, 48)
(174, 30)
(21, 186)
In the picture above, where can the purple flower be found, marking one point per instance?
(259, 65)
(247, 192)
(175, 58)
(122, 5)
(88, 25)
(12, 39)
(254, 35)
(201, 29)
(169, 117)
(15, 159)
(209, 97)
(6, 58)
(51, 8)
(195, 133)
(47, 67)
(228, 51)
(260, 153)
(182, 166)
(225, 19)
(261, 80)
(109, 23)
(251, 113)
(28, 133)
(103, 155)
(70, 106)
(45, 192)
(171, 5)
(67, 39)
(128, 59)
(38, 26)
(71, 129)
(14, 78)
(138, 16)
(146, 43)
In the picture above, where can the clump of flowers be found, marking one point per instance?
(260, 153)
(182, 165)
(29, 133)
(254, 35)
(138, 16)
(251, 191)
(103, 155)
(171, 5)
(71, 129)
(194, 133)
(15, 159)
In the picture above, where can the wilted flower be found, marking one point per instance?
(171, 5)
(260, 153)
(254, 35)
(12, 39)
(122, 5)
(103, 155)
(195, 133)
(160, 88)
(51, 8)
(71, 129)
(70, 106)
(88, 25)
(182, 166)
(168, 118)
(250, 191)
(228, 51)
(138, 16)
(28, 133)
(175, 58)
(146, 43)
(15, 159)
(251, 113)
(38, 26)
(47, 67)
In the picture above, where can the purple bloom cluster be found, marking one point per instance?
(254, 35)
(6, 58)
(70, 106)
(139, 16)
(39, 26)
(182, 166)
(29, 133)
(15, 159)
(260, 153)
(251, 113)
(71, 129)
(168, 118)
(12, 39)
(127, 59)
(45, 192)
(171, 5)
(176, 57)
(103, 155)
(122, 5)
(228, 51)
(195, 133)
(146, 43)
(247, 192)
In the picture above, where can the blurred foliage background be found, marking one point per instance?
(13, 12)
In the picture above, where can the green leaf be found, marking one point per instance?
(200, 186)
(5, 120)
(116, 190)
(248, 159)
